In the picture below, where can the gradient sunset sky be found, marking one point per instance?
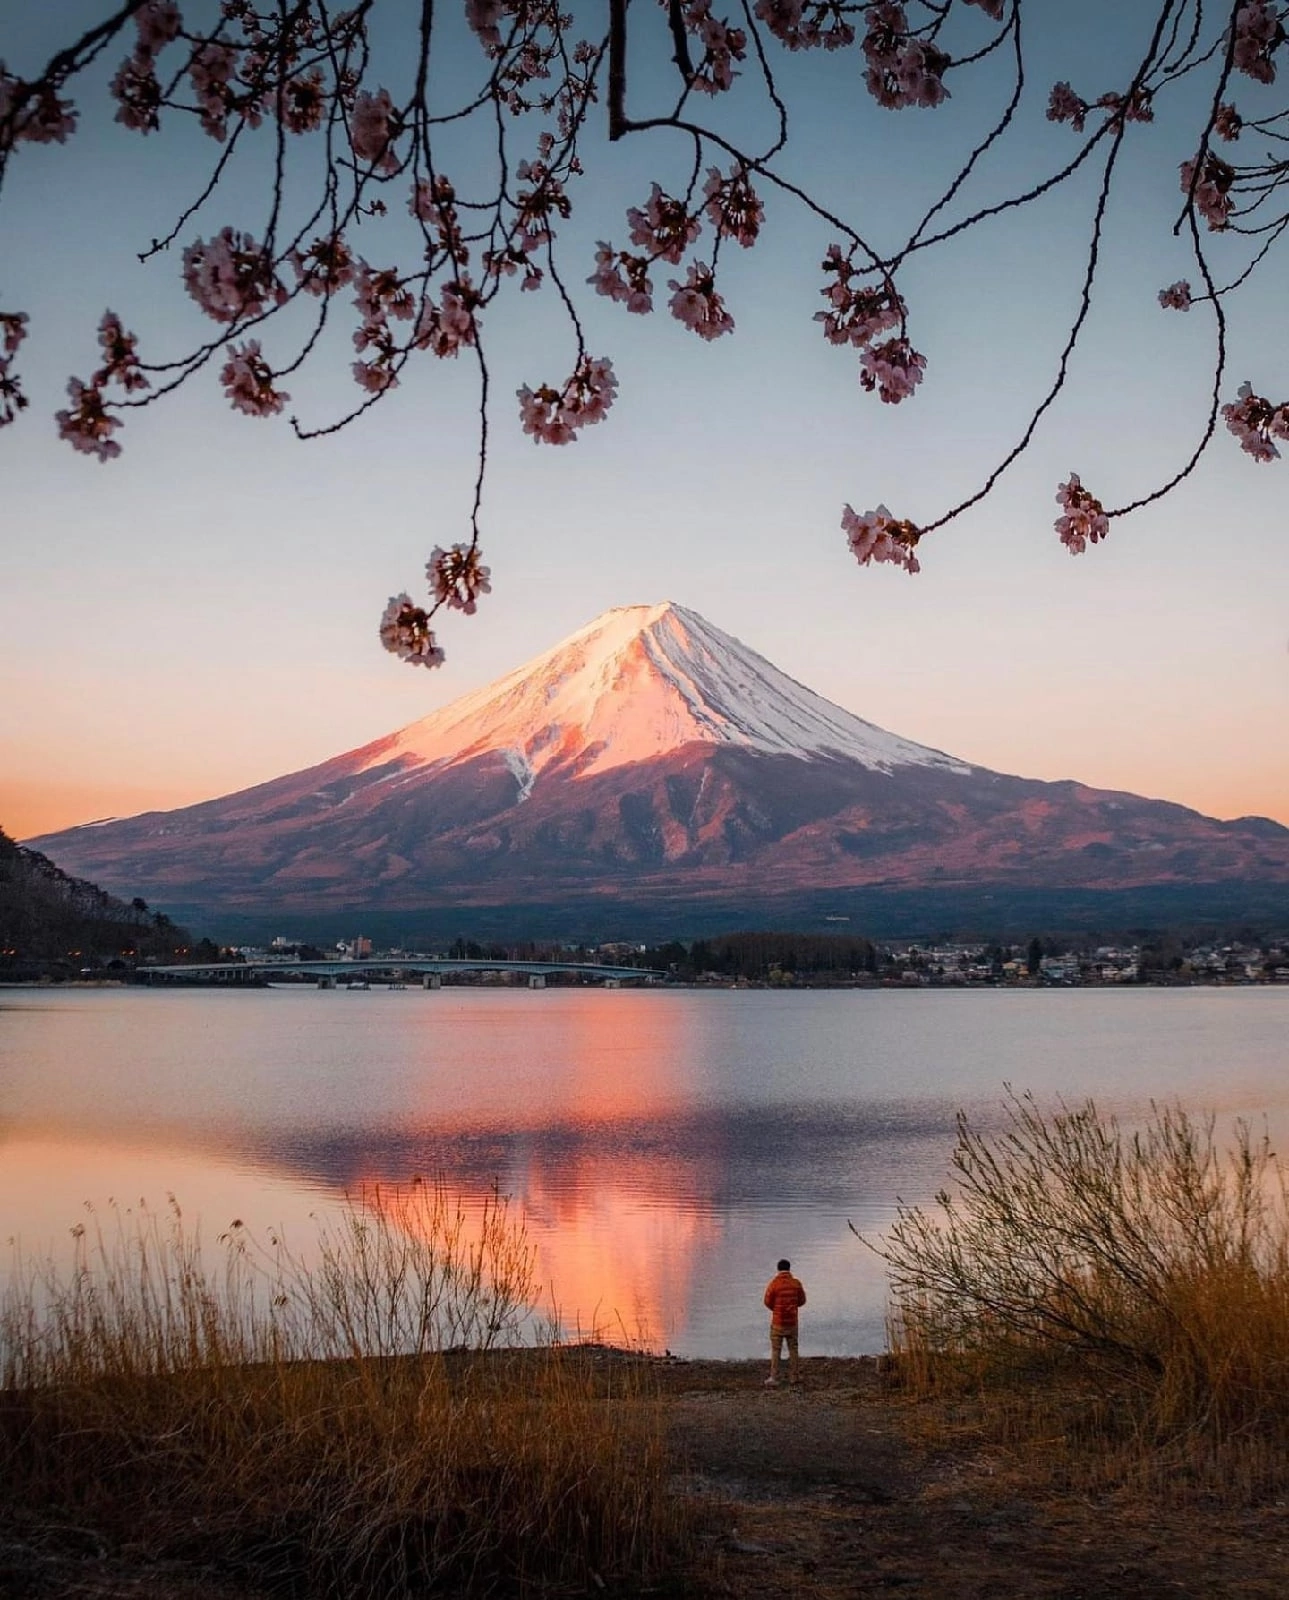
(200, 615)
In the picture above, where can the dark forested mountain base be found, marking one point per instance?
(52, 923)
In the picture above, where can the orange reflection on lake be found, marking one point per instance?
(585, 1056)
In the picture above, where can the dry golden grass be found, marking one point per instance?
(1118, 1303)
(365, 1425)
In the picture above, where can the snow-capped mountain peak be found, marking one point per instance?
(636, 683)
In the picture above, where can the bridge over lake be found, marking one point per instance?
(430, 969)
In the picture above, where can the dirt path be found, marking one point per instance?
(832, 1494)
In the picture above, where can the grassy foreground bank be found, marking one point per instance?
(364, 1425)
(1089, 1342)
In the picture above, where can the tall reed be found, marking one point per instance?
(369, 1422)
(1136, 1282)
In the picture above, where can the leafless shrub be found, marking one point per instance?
(1149, 1270)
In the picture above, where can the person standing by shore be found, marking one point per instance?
(784, 1295)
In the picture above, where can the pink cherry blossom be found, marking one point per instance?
(722, 44)
(120, 357)
(1227, 123)
(484, 17)
(380, 294)
(230, 277)
(13, 330)
(1257, 423)
(136, 90)
(856, 315)
(1065, 106)
(12, 399)
(374, 125)
(664, 227)
(248, 381)
(326, 266)
(376, 376)
(878, 536)
(36, 116)
(902, 71)
(87, 426)
(991, 8)
(1259, 32)
(1213, 198)
(534, 207)
(1084, 521)
(697, 304)
(451, 325)
(622, 277)
(1177, 296)
(303, 104)
(457, 577)
(405, 632)
(553, 416)
(732, 206)
(805, 24)
(158, 23)
(211, 70)
(435, 203)
(893, 368)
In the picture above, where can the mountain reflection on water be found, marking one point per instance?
(663, 1148)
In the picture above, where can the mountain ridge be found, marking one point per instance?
(651, 755)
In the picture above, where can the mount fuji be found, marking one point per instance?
(653, 771)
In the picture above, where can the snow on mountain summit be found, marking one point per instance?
(636, 683)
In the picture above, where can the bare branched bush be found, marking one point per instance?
(375, 1421)
(1150, 1267)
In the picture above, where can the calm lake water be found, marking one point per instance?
(665, 1147)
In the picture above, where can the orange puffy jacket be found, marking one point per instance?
(783, 1294)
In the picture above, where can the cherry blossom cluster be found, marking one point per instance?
(733, 207)
(87, 425)
(13, 330)
(302, 67)
(535, 207)
(379, 294)
(405, 631)
(457, 577)
(1211, 189)
(807, 24)
(326, 266)
(1257, 423)
(856, 314)
(1227, 123)
(664, 227)
(1083, 520)
(450, 326)
(554, 416)
(248, 381)
(33, 113)
(894, 368)
(697, 304)
(722, 47)
(622, 277)
(902, 71)
(1259, 32)
(120, 356)
(231, 277)
(374, 125)
(434, 202)
(1064, 105)
(878, 536)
